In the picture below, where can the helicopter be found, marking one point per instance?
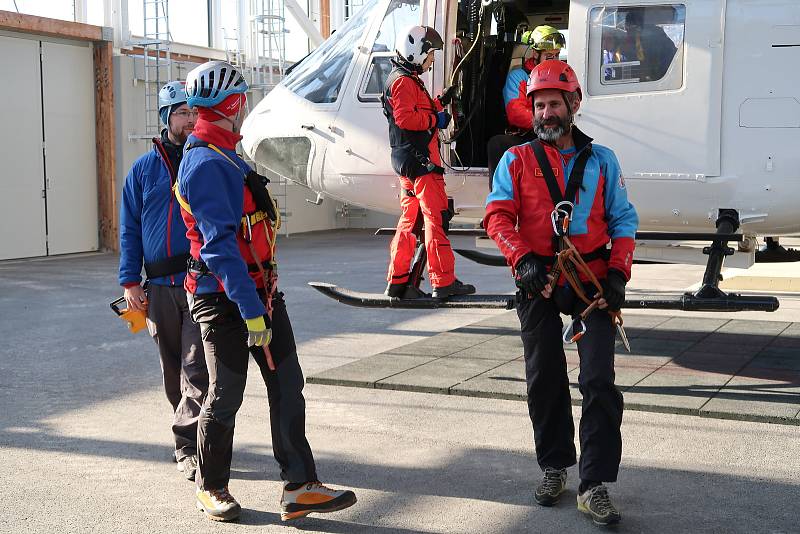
(696, 97)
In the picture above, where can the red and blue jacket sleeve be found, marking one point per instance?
(131, 249)
(518, 107)
(502, 209)
(621, 216)
(214, 190)
(410, 111)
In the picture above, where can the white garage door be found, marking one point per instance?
(70, 162)
(48, 177)
(22, 212)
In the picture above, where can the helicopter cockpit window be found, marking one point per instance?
(320, 75)
(399, 16)
(636, 48)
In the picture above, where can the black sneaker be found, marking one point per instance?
(595, 502)
(552, 486)
(456, 288)
(395, 290)
(403, 291)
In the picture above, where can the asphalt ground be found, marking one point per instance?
(86, 445)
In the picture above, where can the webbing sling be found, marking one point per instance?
(575, 181)
(575, 178)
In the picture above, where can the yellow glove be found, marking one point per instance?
(258, 335)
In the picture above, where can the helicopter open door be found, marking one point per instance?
(661, 60)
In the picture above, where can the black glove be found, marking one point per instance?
(447, 95)
(531, 275)
(614, 289)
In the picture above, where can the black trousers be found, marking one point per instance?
(549, 403)
(225, 340)
(183, 364)
(498, 145)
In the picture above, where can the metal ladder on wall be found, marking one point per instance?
(268, 43)
(234, 54)
(156, 62)
(156, 43)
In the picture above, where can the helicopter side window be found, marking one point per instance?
(320, 76)
(636, 48)
(399, 16)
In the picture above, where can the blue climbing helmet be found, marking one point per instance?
(172, 94)
(212, 82)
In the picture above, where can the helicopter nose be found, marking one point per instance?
(274, 138)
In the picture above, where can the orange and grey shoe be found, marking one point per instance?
(313, 497)
(217, 504)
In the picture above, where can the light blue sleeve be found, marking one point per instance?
(511, 88)
(620, 213)
(502, 186)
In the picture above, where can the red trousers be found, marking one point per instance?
(429, 201)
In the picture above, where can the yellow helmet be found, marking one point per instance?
(544, 38)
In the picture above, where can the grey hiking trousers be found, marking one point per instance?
(183, 362)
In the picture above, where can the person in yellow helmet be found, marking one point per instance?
(544, 43)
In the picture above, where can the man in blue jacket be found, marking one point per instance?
(232, 226)
(152, 233)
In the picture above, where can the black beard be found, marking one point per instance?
(550, 135)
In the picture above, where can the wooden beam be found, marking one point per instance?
(325, 18)
(105, 143)
(139, 51)
(18, 22)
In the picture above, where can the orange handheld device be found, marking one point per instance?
(135, 318)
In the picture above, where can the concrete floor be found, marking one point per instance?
(85, 440)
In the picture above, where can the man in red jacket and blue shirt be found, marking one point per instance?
(152, 232)
(518, 218)
(232, 224)
(414, 122)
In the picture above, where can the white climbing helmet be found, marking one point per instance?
(413, 45)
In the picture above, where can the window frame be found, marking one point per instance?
(363, 96)
(368, 98)
(673, 80)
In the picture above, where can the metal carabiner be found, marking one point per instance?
(574, 331)
(558, 214)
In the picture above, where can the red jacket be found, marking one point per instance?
(515, 95)
(413, 109)
(519, 206)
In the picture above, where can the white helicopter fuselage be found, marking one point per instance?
(719, 130)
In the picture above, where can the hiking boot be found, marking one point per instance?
(595, 502)
(217, 504)
(188, 466)
(456, 288)
(313, 497)
(552, 486)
